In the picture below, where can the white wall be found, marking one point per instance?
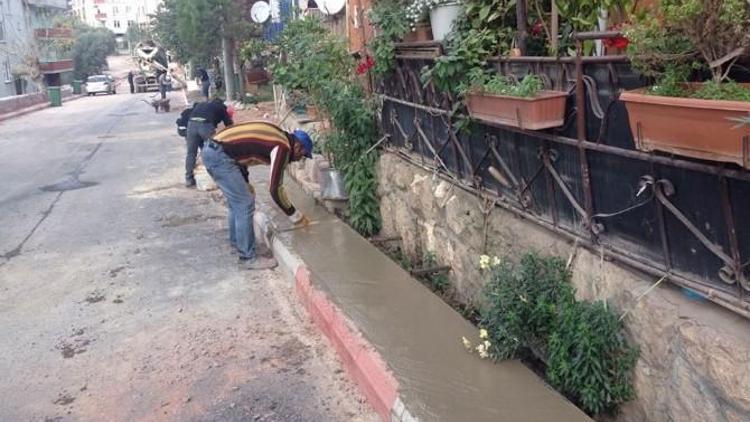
(16, 44)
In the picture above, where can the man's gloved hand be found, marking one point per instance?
(303, 222)
(299, 219)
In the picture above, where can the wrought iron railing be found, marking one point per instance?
(661, 214)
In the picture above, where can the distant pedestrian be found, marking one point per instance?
(226, 157)
(201, 126)
(165, 83)
(130, 81)
(204, 81)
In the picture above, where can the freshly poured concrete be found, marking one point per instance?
(416, 333)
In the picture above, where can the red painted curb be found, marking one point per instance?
(360, 359)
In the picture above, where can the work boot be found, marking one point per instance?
(263, 250)
(259, 263)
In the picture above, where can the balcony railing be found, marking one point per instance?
(56, 66)
(59, 4)
(53, 33)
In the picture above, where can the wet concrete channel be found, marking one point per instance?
(415, 331)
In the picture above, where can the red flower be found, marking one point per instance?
(537, 28)
(365, 65)
(618, 42)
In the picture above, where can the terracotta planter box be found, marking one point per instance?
(422, 33)
(689, 127)
(546, 110)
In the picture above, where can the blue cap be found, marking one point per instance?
(305, 140)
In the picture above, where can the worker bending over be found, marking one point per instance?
(226, 157)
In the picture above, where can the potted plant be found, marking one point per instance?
(442, 14)
(525, 104)
(691, 119)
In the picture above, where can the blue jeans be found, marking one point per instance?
(197, 134)
(228, 176)
(204, 87)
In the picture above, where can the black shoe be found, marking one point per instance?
(258, 263)
(190, 183)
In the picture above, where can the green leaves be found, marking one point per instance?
(318, 63)
(716, 29)
(90, 51)
(532, 305)
(589, 360)
(466, 50)
(389, 17)
(481, 81)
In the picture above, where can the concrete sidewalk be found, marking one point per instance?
(399, 341)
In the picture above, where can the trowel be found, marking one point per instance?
(292, 228)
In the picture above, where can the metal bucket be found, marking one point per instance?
(332, 186)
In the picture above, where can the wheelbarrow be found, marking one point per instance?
(158, 104)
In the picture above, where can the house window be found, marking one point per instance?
(131, 23)
(114, 10)
(8, 76)
(117, 24)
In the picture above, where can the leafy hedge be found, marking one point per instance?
(317, 62)
(531, 305)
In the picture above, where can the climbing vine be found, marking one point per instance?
(317, 62)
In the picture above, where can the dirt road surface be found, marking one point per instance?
(120, 299)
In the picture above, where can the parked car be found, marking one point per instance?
(100, 83)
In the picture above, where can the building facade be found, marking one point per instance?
(33, 51)
(115, 15)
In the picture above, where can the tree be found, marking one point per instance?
(90, 51)
(197, 30)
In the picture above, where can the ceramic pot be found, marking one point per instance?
(422, 32)
(442, 18)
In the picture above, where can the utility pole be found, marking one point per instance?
(226, 47)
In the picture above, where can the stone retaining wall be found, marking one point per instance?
(695, 356)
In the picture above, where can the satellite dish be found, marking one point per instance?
(260, 12)
(331, 7)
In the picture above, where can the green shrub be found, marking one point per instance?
(480, 81)
(589, 359)
(389, 17)
(523, 301)
(531, 305)
(316, 61)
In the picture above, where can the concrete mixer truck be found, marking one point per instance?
(152, 61)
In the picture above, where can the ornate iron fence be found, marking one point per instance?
(661, 214)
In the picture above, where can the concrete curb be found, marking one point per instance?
(362, 361)
(37, 107)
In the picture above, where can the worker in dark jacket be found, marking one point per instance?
(205, 82)
(202, 124)
(130, 81)
(251, 143)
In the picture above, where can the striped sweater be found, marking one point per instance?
(254, 143)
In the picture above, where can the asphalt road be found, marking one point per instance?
(119, 297)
